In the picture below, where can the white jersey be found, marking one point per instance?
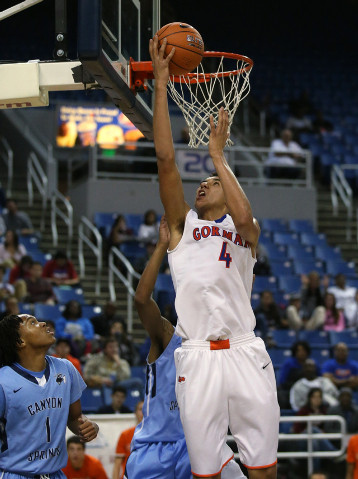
(212, 271)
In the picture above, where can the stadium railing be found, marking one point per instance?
(7, 155)
(36, 174)
(85, 230)
(66, 217)
(341, 188)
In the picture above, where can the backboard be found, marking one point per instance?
(110, 32)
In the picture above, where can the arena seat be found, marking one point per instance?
(65, 295)
(281, 299)
(274, 225)
(134, 222)
(25, 308)
(279, 356)
(320, 355)
(289, 284)
(300, 252)
(265, 282)
(313, 239)
(104, 222)
(335, 267)
(47, 311)
(316, 339)
(265, 238)
(255, 300)
(139, 372)
(276, 252)
(353, 283)
(91, 400)
(348, 337)
(327, 253)
(31, 243)
(284, 338)
(286, 239)
(281, 268)
(300, 226)
(132, 250)
(305, 267)
(41, 257)
(90, 311)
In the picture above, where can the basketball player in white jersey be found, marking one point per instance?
(224, 375)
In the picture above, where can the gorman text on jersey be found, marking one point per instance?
(206, 231)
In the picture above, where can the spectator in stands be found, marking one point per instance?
(284, 152)
(268, 315)
(74, 326)
(299, 391)
(302, 103)
(345, 299)
(127, 348)
(334, 318)
(39, 290)
(123, 448)
(311, 295)
(60, 270)
(11, 251)
(297, 318)
(119, 232)
(262, 266)
(142, 261)
(352, 458)
(119, 394)
(106, 368)
(343, 372)
(149, 230)
(299, 123)
(15, 220)
(6, 289)
(347, 409)
(79, 464)
(102, 322)
(63, 349)
(18, 274)
(11, 307)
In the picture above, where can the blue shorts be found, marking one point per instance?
(52, 475)
(164, 460)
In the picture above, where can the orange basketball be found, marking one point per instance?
(189, 47)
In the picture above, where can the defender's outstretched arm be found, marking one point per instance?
(170, 185)
(236, 200)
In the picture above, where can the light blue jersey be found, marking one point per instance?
(34, 418)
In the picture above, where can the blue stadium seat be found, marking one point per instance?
(300, 226)
(327, 253)
(104, 222)
(350, 159)
(289, 284)
(339, 150)
(331, 140)
(300, 252)
(134, 222)
(281, 299)
(25, 308)
(353, 354)
(132, 250)
(279, 356)
(41, 257)
(348, 337)
(353, 283)
(276, 252)
(305, 267)
(47, 311)
(286, 239)
(90, 311)
(313, 239)
(274, 225)
(91, 400)
(31, 243)
(139, 372)
(316, 339)
(265, 282)
(65, 295)
(336, 267)
(164, 292)
(265, 238)
(320, 355)
(281, 269)
(255, 300)
(284, 338)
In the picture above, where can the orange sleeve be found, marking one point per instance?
(100, 472)
(77, 365)
(121, 445)
(351, 451)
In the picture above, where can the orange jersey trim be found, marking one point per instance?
(222, 344)
(216, 473)
(261, 467)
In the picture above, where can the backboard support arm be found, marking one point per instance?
(18, 8)
(61, 45)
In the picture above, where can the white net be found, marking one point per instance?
(200, 95)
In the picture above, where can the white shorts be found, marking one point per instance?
(228, 383)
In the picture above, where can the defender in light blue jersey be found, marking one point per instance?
(158, 448)
(39, 397)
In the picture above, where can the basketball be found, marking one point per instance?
(189, 47)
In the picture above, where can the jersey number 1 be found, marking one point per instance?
(225, 256)
(48, 430)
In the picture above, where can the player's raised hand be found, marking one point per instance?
(88, 430)
(218, 134)
(164, 233)
(160, 64)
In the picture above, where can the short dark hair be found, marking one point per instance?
(36, 263)
(9, 339)
(213, 174)
(311, 393)
(110, 339)
(265, 291)
(75, 440)
(119, 389)
(63, 340)
(11, 199)
(60, 254)
(26, 259)
(66, 312)
(305, 346)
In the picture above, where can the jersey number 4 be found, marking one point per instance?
(225, 256)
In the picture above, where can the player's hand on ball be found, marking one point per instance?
(160, 64)
(88, 430)
(164, 233)
(218, 134)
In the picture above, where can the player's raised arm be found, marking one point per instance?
(238, 205)
(80, 425)
(170, 185)
(159, 329)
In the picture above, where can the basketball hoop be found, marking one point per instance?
(200, 94)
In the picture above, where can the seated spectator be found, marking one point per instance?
(18, 274)
(15, 220)
(268, 315)
(39, 290)
(60, 270)
(345, 299)
(11, 307)
(127, 348)
(149, 230)
(117, 406)
(297, 318)
(123, 448)
(63, 348)
(343, 372)
(262, 266)
(299, 123)
(346, 409)
(284, 152)
(11, 251)
(106, 368)
(102, 322)
(334, 319)
(73, 325)
(6, 289)
(141, 262)
(119, 233)
(79, 464)
(311, 295)
(299, 391)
